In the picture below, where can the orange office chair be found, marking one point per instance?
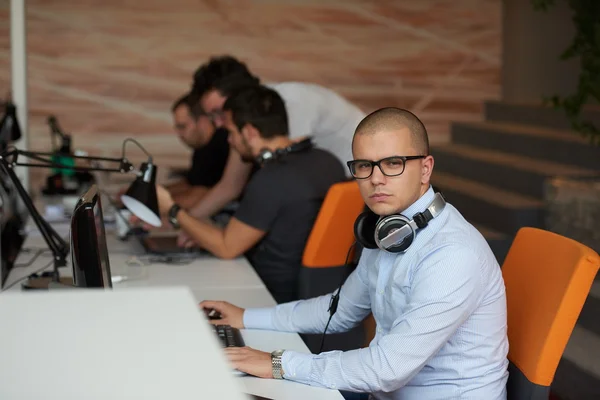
(547, 279)
(325, 255)
(333, 231)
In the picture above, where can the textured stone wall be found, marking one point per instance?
(109, 69)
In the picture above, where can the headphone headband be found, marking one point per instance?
(267, 155)
(419, 221)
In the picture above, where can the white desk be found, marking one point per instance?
(208, 278)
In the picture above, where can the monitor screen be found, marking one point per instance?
(89, 252)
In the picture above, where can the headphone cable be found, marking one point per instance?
(335, 299)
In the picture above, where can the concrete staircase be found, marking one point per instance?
(494, 173)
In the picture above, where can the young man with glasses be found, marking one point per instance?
(281, 201)
(438, 299)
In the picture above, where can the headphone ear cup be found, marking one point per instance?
(390, 224)
(364, 229)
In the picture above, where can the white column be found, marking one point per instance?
(18, 47)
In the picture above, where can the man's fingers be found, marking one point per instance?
(237, 353)
(217, 305)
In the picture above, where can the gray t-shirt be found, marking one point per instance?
(321, 113)
(283, 199)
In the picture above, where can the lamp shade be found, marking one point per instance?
(141, 197)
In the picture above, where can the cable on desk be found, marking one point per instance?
(33, 258)
(26, 277)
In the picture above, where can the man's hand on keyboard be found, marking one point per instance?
(250, 361)
(230, 314)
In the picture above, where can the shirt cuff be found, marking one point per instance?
(258, 318)
(296, 366)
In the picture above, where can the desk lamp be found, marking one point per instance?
(140, 198)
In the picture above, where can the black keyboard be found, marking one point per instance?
(230, 337)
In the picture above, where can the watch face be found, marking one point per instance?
(277, 353)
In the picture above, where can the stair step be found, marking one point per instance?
(508, 171)
(588, 318)
(536, 114)
(558, 146)
(573, 382)
(499, 209)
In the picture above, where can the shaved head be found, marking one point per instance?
(395, 119)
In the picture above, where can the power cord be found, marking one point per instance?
(335, 299)
(33, 258)
(26, 277)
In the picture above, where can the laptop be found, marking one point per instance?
(165, 243)
(161, 243)
(101, 349)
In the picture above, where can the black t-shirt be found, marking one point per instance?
(208, 162)
(283, 199)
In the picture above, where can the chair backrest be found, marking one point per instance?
(333, 231)
(325, 254)
(547, 279)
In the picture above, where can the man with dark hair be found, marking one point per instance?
(436, 291)
(312, 111)
(221, 68)
(280, 202)
(211, 151)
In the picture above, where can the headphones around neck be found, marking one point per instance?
(266, 155)
(394, 233)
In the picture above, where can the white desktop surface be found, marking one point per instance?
(146, 343)
(208, 278)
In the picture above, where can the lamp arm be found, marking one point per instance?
(46, 162)
(57, 245)
(138, 145)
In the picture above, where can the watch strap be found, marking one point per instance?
(276, 364)
(173, 215)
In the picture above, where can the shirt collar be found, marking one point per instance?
(421, 204)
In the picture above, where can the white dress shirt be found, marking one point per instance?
(440, 310)
(319, 112)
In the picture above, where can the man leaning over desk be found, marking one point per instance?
(280, 202)
(439, 305)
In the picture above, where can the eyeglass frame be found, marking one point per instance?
(378, 165)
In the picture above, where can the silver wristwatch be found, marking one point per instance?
(276, 364)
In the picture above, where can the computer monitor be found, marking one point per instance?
(91, 268)
(11, 228)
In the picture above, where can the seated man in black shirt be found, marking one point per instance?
(280, 202)
(211, 151)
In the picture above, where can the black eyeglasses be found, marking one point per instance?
(389, 166)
